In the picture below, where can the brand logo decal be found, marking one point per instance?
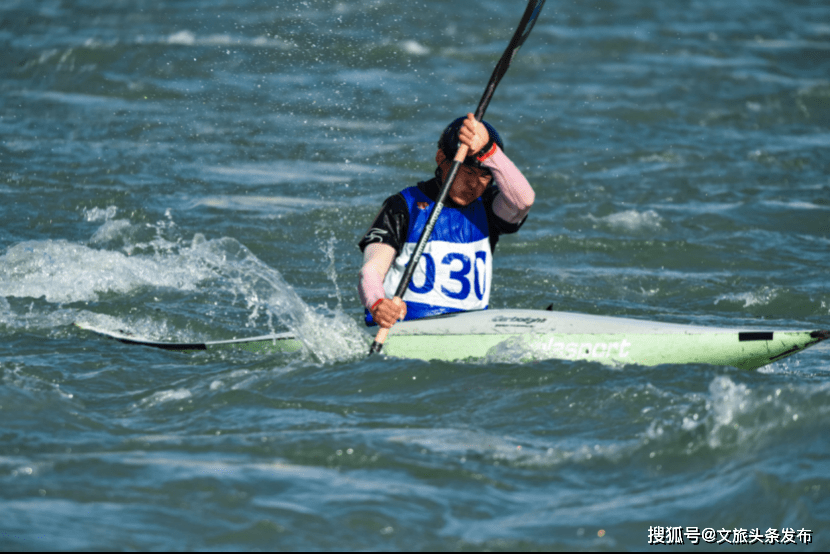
(519, 320)
(574, 350)
(376, 235)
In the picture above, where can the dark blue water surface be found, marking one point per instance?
(203, 170)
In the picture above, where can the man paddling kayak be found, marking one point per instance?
(489, 197)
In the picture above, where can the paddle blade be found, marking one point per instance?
(380, 338)
(532, 14)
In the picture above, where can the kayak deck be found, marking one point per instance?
(539, 335)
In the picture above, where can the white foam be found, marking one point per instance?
(795, 205)
(455, 441)
(188, 38)
(729, 399)
(328, 335)
(630, 220)
(165, 396)
(262, 203)
(182, 37)
(761, 297)
(110, 230)
(61, 272)
(99, 214)
(289, 172)
(415, 48)
(6, 313)
(64, 272)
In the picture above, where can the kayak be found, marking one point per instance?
(542, 334)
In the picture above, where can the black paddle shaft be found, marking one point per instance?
(526, 24)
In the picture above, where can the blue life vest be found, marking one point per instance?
(454, 273)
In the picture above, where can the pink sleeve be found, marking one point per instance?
(517, 195)
(377, 259)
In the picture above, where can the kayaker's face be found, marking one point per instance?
(469, 184)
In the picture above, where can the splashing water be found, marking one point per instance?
(329, 336)
(62, 272)
(331, 270)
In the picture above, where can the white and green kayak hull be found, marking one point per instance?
(608, 340)
(541, 335)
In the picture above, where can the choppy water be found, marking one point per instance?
(203, 170)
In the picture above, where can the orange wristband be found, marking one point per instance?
(482, 157)
(375, 305)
